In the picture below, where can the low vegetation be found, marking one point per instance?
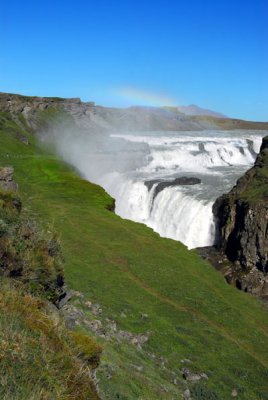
(28, 254)
(257, 191)
(37, 357)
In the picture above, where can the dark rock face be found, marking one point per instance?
(244, 233)
(161, 185)
(242, 219)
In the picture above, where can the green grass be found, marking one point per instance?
(27, 253)
(38, 359)
(257, 189)
(127, 268)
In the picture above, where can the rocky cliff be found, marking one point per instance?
(89, 116)
(242, 218)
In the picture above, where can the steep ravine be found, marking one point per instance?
(242, 220)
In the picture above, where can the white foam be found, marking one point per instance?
(175, 212)
(181, 213)
(181, 217)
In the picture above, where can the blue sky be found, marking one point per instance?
(210, 53)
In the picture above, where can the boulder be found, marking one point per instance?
(9, 186)
(187, 394)
(192, 376)
(6, 179)
(6, 174)
(64, 297)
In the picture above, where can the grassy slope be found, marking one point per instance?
(37, 359)
(124, 266)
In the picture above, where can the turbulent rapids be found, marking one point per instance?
(141, 171)
(181, 212)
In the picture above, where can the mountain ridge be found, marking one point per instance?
(88, 115)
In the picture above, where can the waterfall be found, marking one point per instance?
(138, 169)
(182, 213)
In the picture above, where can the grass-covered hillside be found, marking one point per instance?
(163, 309)
(40, 358)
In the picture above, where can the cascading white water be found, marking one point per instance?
(182, 213)
(184, 223)
(131, 166)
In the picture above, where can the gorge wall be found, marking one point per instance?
(242, 219)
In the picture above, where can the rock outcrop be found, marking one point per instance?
(180, 181)
(242, 220)
(6, 179)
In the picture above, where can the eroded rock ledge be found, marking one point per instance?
(161, 185)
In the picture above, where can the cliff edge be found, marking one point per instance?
(242, 220)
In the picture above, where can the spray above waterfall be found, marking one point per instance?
(142, 170)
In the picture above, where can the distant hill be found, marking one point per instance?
(192, 109)
(95, 118)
